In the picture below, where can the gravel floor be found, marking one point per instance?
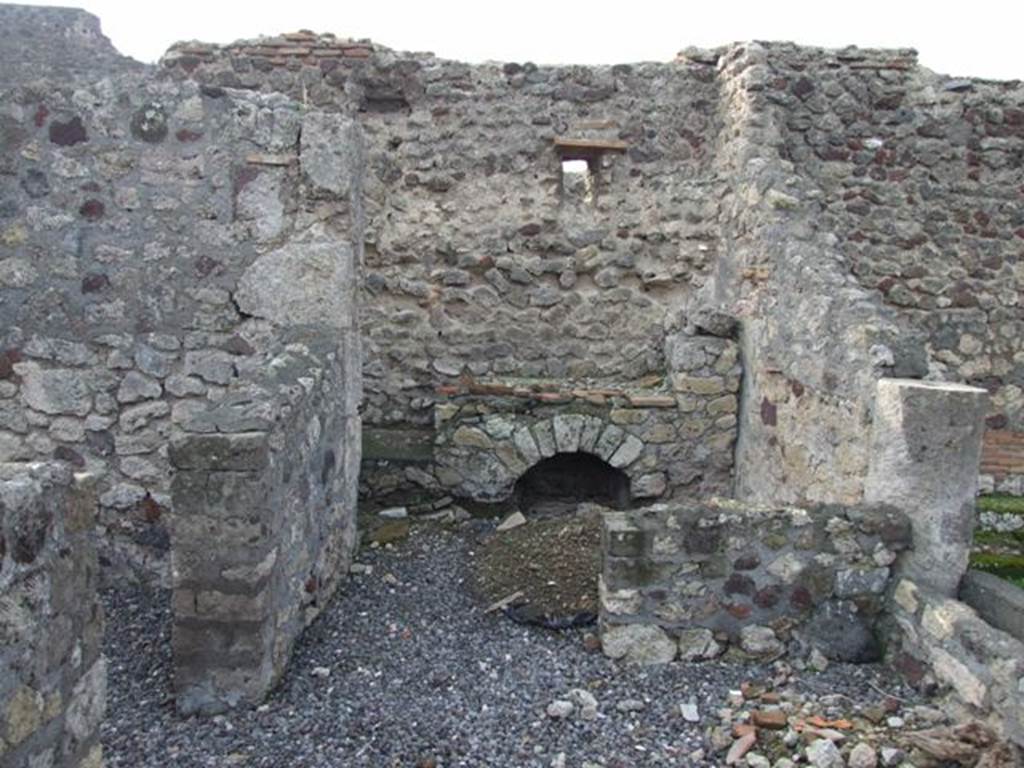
(420, 677)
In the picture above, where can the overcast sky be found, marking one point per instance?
(980, 38)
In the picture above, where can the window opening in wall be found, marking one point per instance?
(581, 160)
(577, 180)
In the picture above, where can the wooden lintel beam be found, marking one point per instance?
(568, 146)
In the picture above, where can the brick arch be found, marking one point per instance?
(483, 459)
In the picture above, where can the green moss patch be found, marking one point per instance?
(1013, 540)
(1009, 566)
(1002, 503)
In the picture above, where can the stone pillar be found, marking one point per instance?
(925, 450)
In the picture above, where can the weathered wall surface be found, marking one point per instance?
(673, 437)
(52, 675)
(756, 178)
(265, 476)
(275, 502)
(851, 251)
(156, 237)
(941, 642)
(710, 575)
(920, 180)
(478, 263)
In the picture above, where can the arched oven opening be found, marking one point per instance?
(558, 484)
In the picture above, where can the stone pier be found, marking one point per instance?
(925, 449)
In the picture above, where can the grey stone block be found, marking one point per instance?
(925, 450)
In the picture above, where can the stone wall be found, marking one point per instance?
(481, 260)
(909, 184)
(275, 501)
(180, 267)
(919, 179)
(701, 577)
(754, 178)
(52, 674)
(672, 437)
(154, 239)
(942, 644)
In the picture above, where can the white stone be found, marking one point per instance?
(394, 513)
(638, 644)
(698, 645)
(689, 711)
(88, 701)
(568, 428)
(302, 284)
(627, 453)
(514, 520)
(560, 708)
(891, 756)
(817, 661)
(585, 701)
(331, 151)
(863, 756)
(824, 754)
(759, 641)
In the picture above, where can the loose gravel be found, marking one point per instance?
(405, 669)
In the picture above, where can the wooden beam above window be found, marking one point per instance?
(571, 149)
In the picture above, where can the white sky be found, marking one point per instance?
(980, 38)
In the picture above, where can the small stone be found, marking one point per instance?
(772, 719)
(320, 672)
(891, 756)
(514, 520)
(824, 754)
(560, 708)
(759, 641)
(362, 569)
(586, 703)
(638, 644)
(817, 661)
(739, 748)
(895, 722)
(689, 712)
(135, 387)
(394, 513)
(755, 760)
(862, 756)
(697, 645)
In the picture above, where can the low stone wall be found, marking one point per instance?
(275, 501)
(941, 642)
(52, 675)
(700, 577)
